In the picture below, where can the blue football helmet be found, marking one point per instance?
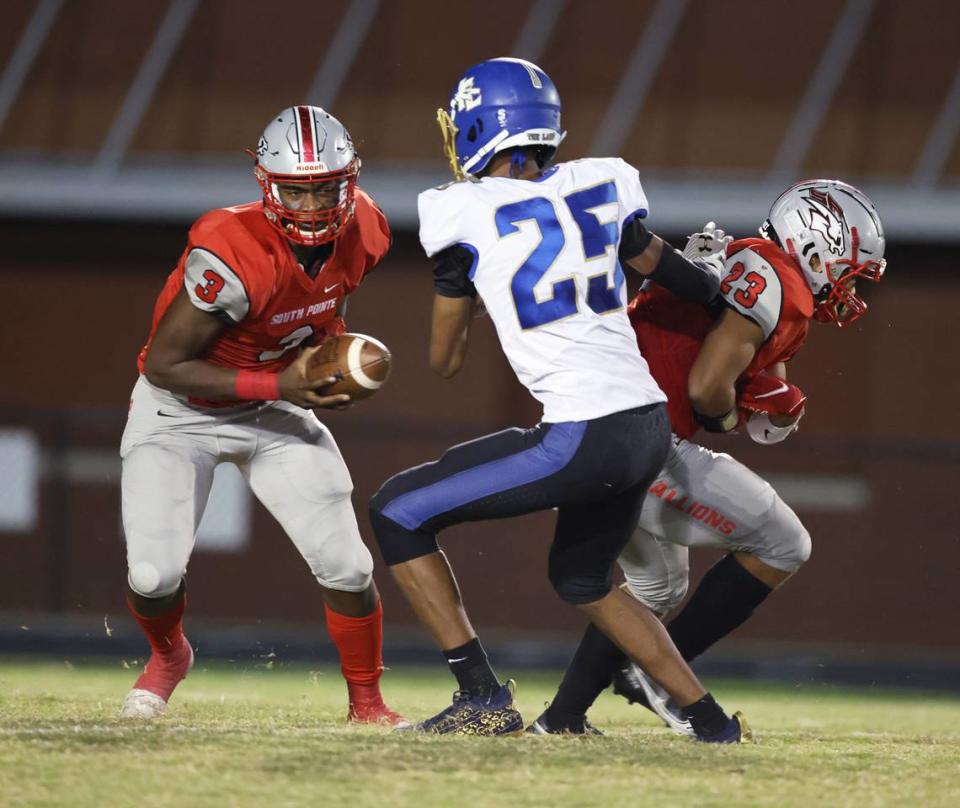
(499, 104)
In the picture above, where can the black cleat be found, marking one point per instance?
(636, 687)
(542, 727)
(627, 685)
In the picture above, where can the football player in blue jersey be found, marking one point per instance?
(542, 246)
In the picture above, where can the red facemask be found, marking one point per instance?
(309, 227)
(842, 305)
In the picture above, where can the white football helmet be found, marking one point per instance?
(300, 146)
(839, 226)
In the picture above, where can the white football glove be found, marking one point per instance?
(709, 242)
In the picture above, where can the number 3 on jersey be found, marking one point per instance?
(214, 283)
(596, 236)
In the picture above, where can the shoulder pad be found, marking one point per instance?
(753, 288)
(633, 199)
(440, 217)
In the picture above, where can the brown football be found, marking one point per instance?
(359, 363)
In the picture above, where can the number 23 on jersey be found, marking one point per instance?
(748, 286)
(596, 237)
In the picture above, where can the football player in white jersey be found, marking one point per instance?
(542, 247)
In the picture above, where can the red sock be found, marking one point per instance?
(165, 631)
(359, 642)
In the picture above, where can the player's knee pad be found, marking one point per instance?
(579, 585)
(148, 580)
(657, 572)
(329, 541)
(397, 542)
(784, 542)
(348, 569)
(660, 595)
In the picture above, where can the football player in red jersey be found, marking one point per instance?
(722, 366)
(223, 380)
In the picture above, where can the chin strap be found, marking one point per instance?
(517, 161)
(449, 131)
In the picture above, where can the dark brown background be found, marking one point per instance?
(882, 405)
(76, 296)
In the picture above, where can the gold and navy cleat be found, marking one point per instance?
(737, 730)
(476, 715)
(746, 734)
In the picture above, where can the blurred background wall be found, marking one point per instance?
(121, 122)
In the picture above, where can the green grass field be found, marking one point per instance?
(239, 736)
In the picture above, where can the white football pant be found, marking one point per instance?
(706, 499)
(291, 461)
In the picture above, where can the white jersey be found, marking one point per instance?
(545, 265)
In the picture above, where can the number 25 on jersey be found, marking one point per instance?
(596, 237)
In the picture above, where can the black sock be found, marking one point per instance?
(706, 716)
(587, 676)
(468, 662)
(726, 597)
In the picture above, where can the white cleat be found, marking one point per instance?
(160, 674)
(142, 705)
(661, 702)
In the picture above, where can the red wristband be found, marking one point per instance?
(253, 386)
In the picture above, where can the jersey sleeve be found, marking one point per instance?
(752, 288)
(633, 200)
(214, 287)
(453, 271)
(440, 219)
(226, 271)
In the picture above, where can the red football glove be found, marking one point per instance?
(772, 395)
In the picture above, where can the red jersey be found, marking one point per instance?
(761, 283)
(239, 268)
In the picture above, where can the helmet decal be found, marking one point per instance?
(826, 218)
(345, 143)
(465, 98)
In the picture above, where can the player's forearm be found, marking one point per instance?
(712, 399)
(194, 377)
(654, 259)
(714, 413)
(449, 333)
(446, 360)
(713, 396)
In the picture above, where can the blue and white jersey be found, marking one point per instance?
(545, 264)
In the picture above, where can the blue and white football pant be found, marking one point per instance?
(593, 472)
(706, 499)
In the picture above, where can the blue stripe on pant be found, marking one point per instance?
(550, 455)
(594, 472)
